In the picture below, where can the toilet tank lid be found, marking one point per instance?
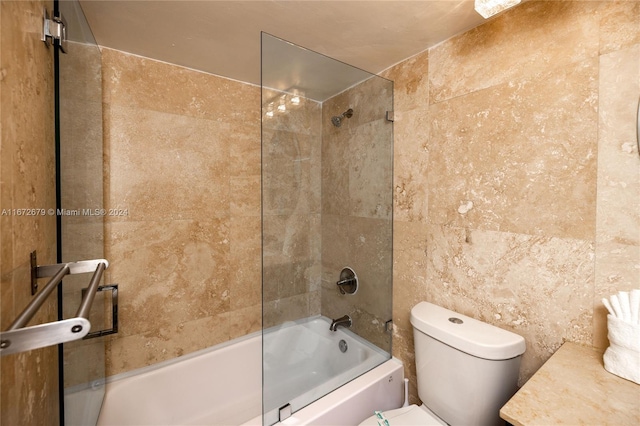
(471, 336)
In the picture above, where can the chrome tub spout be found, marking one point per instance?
(344, 321)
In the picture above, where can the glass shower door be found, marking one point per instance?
(327, 172)
(80, 215)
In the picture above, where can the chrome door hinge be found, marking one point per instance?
(54, 29)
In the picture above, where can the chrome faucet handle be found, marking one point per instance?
(348, 282)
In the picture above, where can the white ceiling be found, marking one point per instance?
(223, 37)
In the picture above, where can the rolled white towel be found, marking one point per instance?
(622, 362)
(622, 357)
(607, 305)
(623, 298)
(634, 302)
(615, 304)
(623, 333)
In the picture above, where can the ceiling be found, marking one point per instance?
(223, 37)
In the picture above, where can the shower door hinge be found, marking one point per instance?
(54, 29)
(389, 116)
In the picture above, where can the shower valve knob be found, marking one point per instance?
(348, 282)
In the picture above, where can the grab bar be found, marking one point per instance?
(19, 338)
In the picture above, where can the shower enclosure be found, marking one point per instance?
(327, 201)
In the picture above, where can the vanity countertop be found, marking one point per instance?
(573, 388)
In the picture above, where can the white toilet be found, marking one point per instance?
(466, 370)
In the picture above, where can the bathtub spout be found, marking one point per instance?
(344, 321)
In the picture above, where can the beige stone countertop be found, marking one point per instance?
(573, 388)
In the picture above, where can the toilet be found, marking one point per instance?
(466, 370)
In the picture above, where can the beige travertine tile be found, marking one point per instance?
(166, 166)
(518, 157)
(245, 321)
(28, 394)
(90, 354)
(141, 83)
(370, 167)
(336, 250)
(81, 154)
(619, 25)
(411, 83)
(291, 172)
(411, 160)
(538, 287)
(285, 309)
(370, 100)
(410, 286)
(531, 39)
(618, 216)
(177, 268)
(244, 195)
(127, 353)
(80, 76)
(245, 273)
(244, 149)
(370, 257)
(6, 203)
(304, 118)
(335, 176)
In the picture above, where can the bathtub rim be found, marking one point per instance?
(222, 345)
(181, 358)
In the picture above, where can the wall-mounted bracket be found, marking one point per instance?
(389, 116)
(114, 311)
(34, 272)
(54, 30)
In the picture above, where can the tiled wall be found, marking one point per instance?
(517, 177)
(28, 394)
(182, 157)
(357, 203)
(291, 201)
(81, 180)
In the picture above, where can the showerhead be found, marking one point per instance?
(336, 120)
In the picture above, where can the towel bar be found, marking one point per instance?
(18, 338)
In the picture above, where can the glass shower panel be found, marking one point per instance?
(82, 216)
(327, 170)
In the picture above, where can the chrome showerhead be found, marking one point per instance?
(336, 120)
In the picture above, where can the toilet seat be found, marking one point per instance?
(406, 416)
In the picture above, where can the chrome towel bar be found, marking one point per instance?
(19, 338)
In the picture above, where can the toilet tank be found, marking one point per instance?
(466, 369)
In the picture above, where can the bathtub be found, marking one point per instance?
(222, 385)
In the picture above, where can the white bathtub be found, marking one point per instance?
(222, 385)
